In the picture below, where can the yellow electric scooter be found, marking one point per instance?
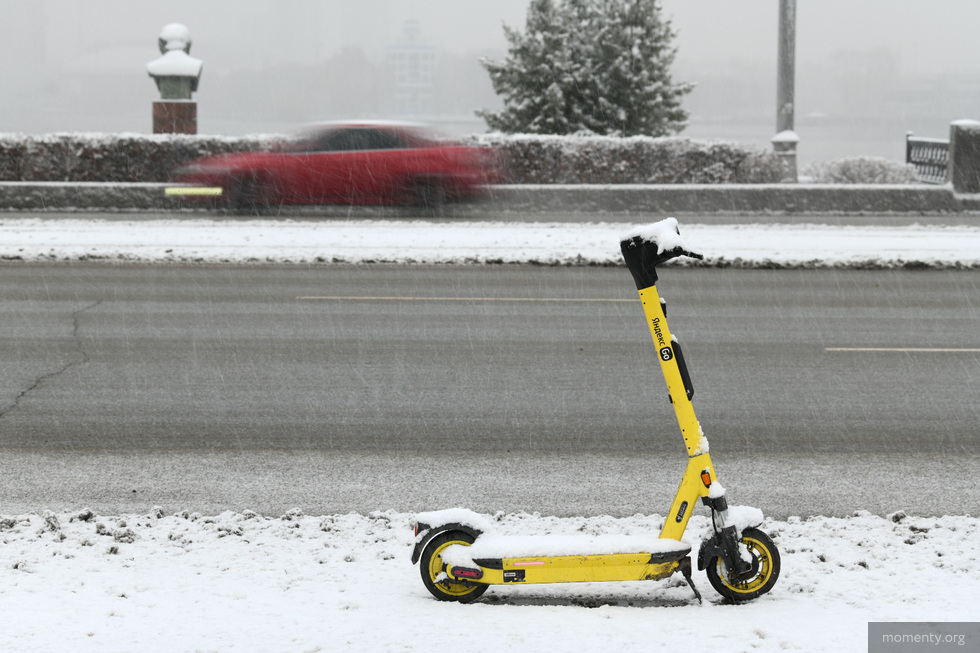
(461, 556)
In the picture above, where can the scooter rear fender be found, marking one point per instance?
(425, 533)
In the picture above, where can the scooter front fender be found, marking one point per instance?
(723, 544)
(710, 549)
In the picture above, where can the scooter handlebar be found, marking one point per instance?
(643, 256)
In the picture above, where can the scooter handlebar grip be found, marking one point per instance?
(643, 256)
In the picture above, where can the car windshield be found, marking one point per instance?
(348, 139)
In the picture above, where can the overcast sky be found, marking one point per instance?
(51, 46)
(938, 35)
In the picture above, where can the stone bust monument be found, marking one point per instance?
(176, 73)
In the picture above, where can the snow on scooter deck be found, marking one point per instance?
(495, 546)
(489, 545)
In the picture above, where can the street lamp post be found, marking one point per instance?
(785, 141)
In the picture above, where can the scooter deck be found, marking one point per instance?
(499, 560)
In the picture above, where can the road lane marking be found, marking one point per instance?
(461, 299)
(928, 349)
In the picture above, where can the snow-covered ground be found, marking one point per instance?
(401, 241)
(246, 582)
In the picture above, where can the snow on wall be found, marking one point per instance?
(591, 159)
(98, 157)
(528, 159)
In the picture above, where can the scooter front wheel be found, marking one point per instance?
(763, 575)
(433, 570)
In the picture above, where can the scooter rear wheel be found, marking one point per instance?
(765, 569)
(432, 566)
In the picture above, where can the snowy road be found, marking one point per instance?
(136, 384)
(486, 358)
(81, 344)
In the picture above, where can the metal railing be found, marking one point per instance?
(929, 156)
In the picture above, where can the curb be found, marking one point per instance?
(601, 199)
(84, 196)
(736, 198)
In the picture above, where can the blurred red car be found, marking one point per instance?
(355, 163)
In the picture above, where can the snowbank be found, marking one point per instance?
(245, 582)
(402, 241)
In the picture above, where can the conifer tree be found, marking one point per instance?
(599, 66)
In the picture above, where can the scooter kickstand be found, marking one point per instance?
(686, 570)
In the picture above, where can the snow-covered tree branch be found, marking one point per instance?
(593, 66)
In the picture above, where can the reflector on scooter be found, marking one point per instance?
(466, 572)
(706, 478)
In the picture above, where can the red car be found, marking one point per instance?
(360, 163)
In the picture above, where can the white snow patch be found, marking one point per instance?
(972, 125)
(175, 63)
(742, 517)
(461, 516)
(716, 491)
(409, 241)
(785, 136)
(245, 582)
(664, 233)
(703, 445)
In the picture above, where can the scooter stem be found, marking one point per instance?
(643, 253)
(678, 386)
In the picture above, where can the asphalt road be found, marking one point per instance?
(502, 387)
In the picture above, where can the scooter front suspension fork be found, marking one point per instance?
(723, 543)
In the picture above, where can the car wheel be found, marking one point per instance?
(429, 194)
(247, 195)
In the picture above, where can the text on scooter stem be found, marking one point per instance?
(660, 334)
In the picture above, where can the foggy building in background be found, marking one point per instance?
(78, 66)
(26, 43)
(413, 64)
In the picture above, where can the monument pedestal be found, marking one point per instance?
(174, 117)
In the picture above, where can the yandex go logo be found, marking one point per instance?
(660, 335)
(666, 353)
